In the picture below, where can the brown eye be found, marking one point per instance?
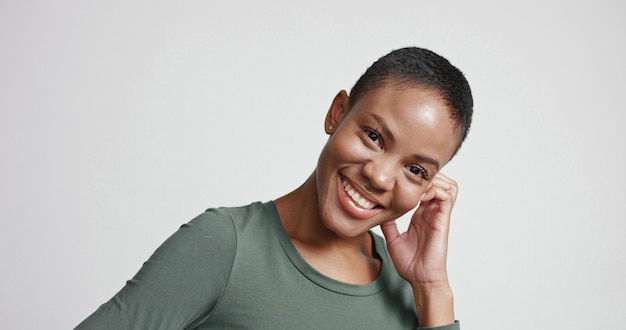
(418, 170)
(374, 136)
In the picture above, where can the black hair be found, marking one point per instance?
(423, 68)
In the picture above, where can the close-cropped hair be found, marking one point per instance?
(422, 68)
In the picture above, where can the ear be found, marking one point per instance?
(338, 110)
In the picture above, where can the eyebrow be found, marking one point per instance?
(389, 135)
(425, 159)
(383, 126)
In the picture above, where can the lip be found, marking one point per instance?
(349, 205)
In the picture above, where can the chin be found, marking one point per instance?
(345, 227)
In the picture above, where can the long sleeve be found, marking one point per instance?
(454, 326)
(179, 285)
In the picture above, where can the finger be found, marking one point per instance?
(442, 176)
(444, 181)
(439, 194)
(447, 184)
(442, 205)
(390, 230)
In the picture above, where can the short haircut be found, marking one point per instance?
(418, 67)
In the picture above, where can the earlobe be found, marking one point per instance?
(337, 111)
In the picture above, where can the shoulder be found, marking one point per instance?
(183, 280)
(232, 213)
(224, 218)
(241, 219)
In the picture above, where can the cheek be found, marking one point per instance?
(346, 147)
(407, 196)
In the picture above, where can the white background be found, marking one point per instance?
(121, 120)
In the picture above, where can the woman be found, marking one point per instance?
(309, 259)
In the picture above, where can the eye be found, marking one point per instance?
(374, 136)
(419, 171)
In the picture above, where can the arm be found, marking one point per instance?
(179, 285)
(420, 253)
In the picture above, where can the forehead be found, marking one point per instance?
(398, 97)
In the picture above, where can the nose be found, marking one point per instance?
(381, 173)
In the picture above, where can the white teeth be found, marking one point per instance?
(362, 202)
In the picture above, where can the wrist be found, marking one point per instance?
(431, 287)
(434, 303)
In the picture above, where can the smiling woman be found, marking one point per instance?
(309, 258)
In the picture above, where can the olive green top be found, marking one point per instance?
(237, 268)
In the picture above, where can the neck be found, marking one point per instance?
(350, 260)
(299, 213)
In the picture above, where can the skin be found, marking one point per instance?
(389, 149)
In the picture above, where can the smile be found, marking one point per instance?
(356, 198)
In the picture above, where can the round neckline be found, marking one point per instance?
(324, 281)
